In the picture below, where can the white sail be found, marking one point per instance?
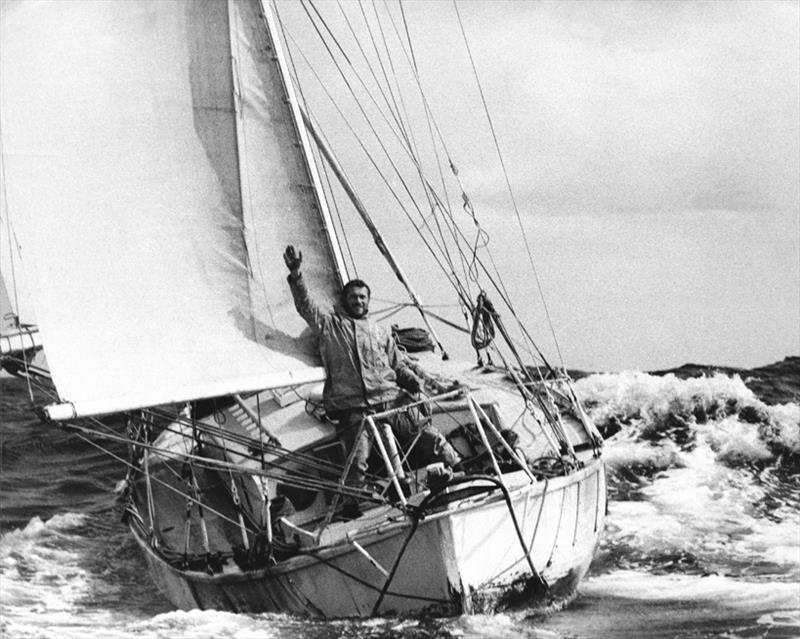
(135, 137)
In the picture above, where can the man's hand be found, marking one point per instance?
(446, 385)
(293, 259)
(408, 382)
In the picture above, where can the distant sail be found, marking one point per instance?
(18, 333)
(15, 338)
(8, 316)
(153, 176)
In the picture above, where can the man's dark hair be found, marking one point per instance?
(355, 284)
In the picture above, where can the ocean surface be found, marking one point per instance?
(702, 536)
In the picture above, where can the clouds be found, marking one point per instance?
(608, 106)
(630, 105)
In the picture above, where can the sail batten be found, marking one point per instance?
(151, 211)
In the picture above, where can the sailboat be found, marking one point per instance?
(16, 338)
(157, 157)
(20, 343)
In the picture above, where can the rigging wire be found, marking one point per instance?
(297, 476)
(507, 180)
(432, 125)
(429, 192)
(481, 240)
(427, 189)
(399, 108)
(403, 109)
(255, 448)
(103, 430)
(220, 465)
(166, 485)
(381, 174)
(405, 144)
(503, 292)
(450, 272)
(341, 235)
(498, 282)
(391, 106)
(451, 276)
(340, 232)
(252, 444)
(306, 155)
(388, 94)
(429, 230)
(11, 253)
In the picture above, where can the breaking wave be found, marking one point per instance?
(654, 419)
(704, 477)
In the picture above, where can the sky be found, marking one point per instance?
(653, 153)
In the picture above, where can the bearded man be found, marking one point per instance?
(366, 374)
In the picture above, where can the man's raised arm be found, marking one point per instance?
(307, 307)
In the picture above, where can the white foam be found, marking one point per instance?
(786, 420)
(731, 593)
(635, 392)
(39, 566)
(205, 623)
(706, 510)
(640, 402)
(735, 441)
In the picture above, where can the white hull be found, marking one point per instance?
(18, 342)
(465, 558)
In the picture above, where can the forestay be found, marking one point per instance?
(153, 173)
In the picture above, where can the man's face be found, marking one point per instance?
(356, 301)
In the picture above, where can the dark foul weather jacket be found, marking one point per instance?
(361, 359)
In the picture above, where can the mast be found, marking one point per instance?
(303, 124)
(367, 219)
(305, 146)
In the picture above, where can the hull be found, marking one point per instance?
(467, 555)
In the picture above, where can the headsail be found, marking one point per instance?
(135, 137)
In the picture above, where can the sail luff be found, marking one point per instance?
(236, 105)
(300, 129)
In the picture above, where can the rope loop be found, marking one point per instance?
(483, 325)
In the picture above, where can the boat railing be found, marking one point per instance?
(515, 455)
(391, 453)
(394, 457)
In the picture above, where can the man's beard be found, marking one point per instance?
(356, 314)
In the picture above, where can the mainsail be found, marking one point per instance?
(153, 174)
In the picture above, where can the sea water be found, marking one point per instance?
(702, 536)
